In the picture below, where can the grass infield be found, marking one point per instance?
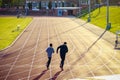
(10, 28)
(98, 17)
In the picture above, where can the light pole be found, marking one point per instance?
(89, 16)
(79, 8)
(26, 8)
(107, 17)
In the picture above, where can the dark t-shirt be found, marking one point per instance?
(63, 49)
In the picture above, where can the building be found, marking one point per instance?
(69, 7)
(52, 7)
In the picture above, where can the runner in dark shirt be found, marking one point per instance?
(63, 50)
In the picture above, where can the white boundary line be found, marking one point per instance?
(34, 54)
(15, 56)
(70, 53)
(19, 54)
(106, 66)
(85, 60)
(25, 64)
(49, 42)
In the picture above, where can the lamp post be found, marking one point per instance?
(89, 16)
(79, 7)
(107, 17)
(26, 8)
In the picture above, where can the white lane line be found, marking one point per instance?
(27, 64)
(19, 54)
(37, 73)
(104, 64)
(90, 71)
(107, 66)
(7, 53)
(34, 55)
(87, 64)
(84, 59)
(48, 25)
(70, 53)
(41, 66)
(26, 53)
(115, 58)
(96, 57)
(15, 56)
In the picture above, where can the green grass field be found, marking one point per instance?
(8, 29)
(99, 18)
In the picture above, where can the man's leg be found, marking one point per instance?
(48, 63)
(62, 61)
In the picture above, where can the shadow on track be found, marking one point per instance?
(55, 76)
(117, 48)
(39, 76)
(85, 52)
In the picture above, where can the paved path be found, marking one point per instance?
(91, 51)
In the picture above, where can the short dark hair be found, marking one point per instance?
(65, 42)
(50, 44)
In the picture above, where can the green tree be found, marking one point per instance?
(98, 1)
(0, 3)
(40, 5)
(17, 2)
(50, 5)
(30, 5)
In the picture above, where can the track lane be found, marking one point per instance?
(97, 61)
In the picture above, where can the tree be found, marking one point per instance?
(40, 5)
(17, 2)
(50, 5)
(98, 1)
(0, 3)
(30, 5)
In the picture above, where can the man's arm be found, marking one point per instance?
(53, 51)
(57, 49)
(47, 50)
(66, 49)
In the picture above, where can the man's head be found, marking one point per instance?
(65, 42)
(50, 44)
